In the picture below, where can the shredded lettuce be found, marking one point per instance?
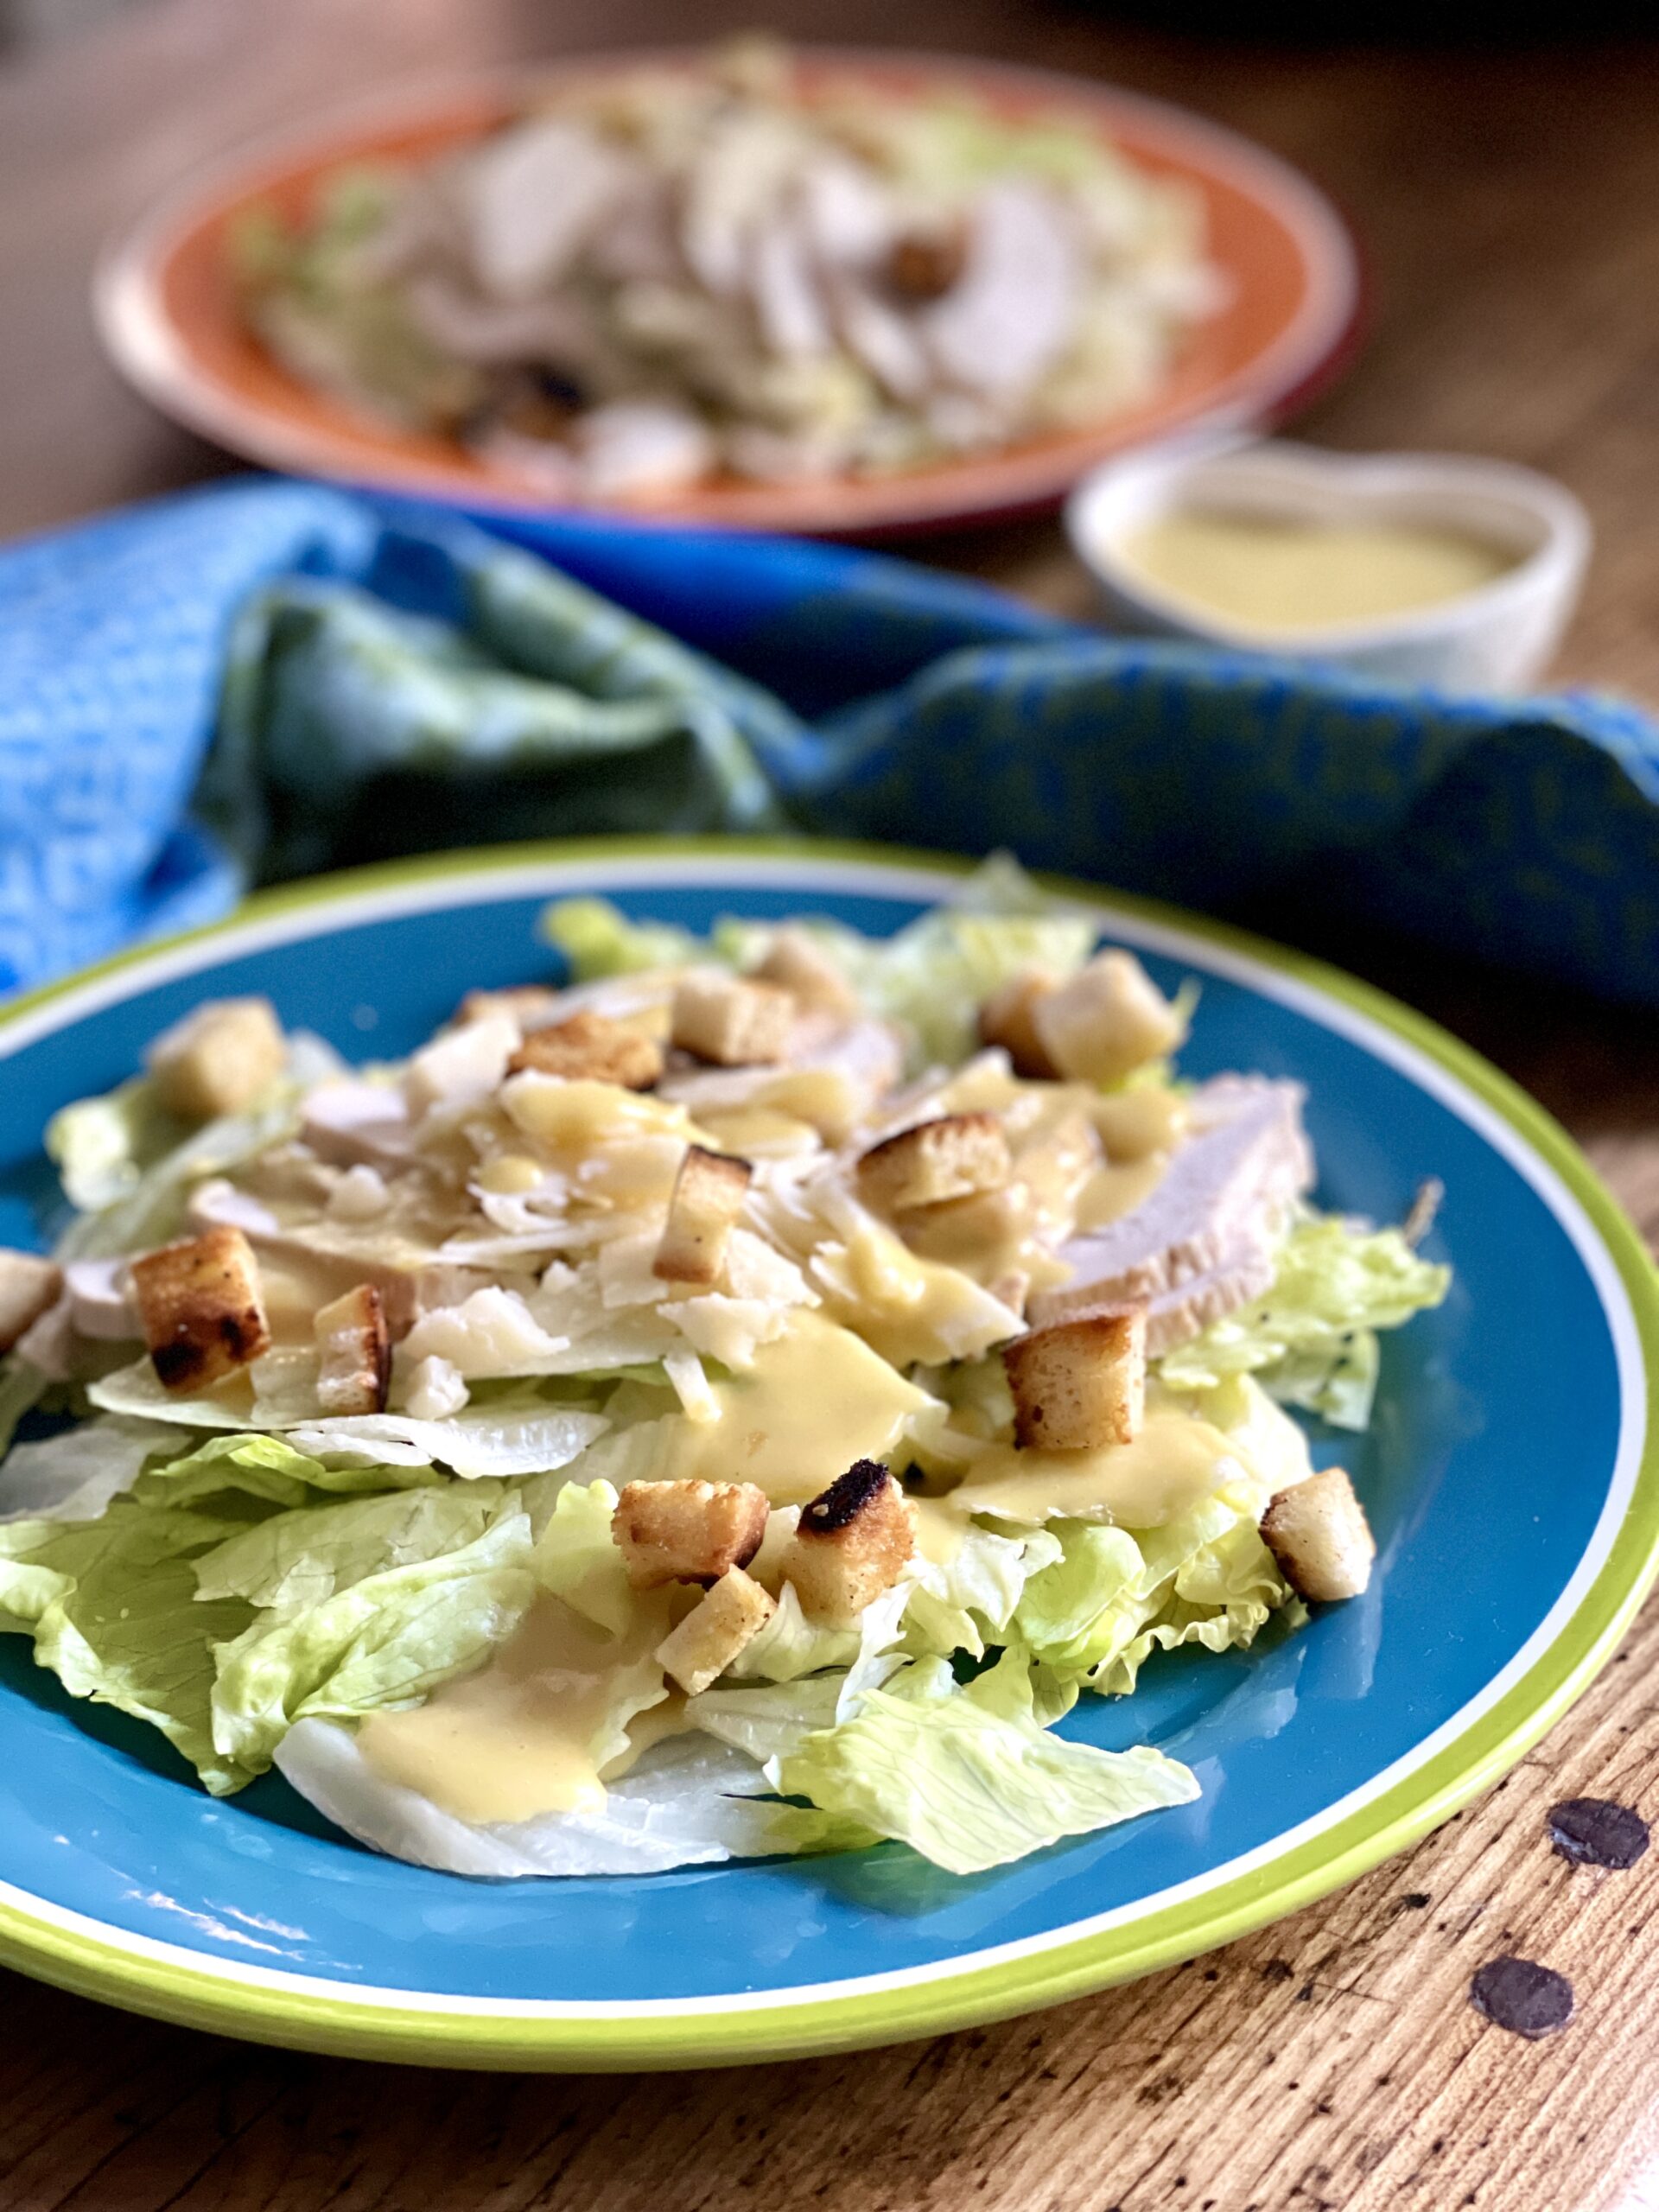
(599, 940)
(517, 1435)
(385, 1638)
(111, 1605)
(102, 1146)
(578, 1559)
(74, 1475)
(1310, 1341)
(265, 1467)
(968, 1776)
(790, 1646)
(689, 1802)
(964, 1603)
(1114, 1595)
(303, 1557)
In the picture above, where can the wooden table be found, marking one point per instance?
(1510, 207)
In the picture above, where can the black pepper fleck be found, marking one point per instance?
(1521, 1995)
(1277, 1970)
(1596, 1832)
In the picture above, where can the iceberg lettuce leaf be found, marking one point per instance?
(1117, 1594)
(1310, 1340)
(578, 1559)
(969, 1777)
(387, 1639)
(266, 1467)
(964, 1603)
(303, 1557)
(111, 1605)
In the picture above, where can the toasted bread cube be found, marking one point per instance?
(1079, 1384)
(590, 1047)
(852, 1543)
(356, 1348)
(707, 1198)
(1108, 1020)
(1317, 1532)
(525, 1003)
(28, 1285)
(798, 964)
(218, 1059)
(201, 1307)
(688, 1531)
(728, 1020)
(717, 1629)
(1008, 1019)
(956, 1157)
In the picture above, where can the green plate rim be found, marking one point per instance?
(1468, 1763)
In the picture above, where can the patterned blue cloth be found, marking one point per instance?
(265, 678)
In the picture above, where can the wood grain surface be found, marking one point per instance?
(1509, 205)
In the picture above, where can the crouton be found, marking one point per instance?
(798, 964)
(1079, 1384)
(590, 1047)
(201, 1307)
(352, 1336)
(28, 1285)
(218, 1059)
(956, 1157)
(1006, 1018)
(717, 1629)
(1317, 1532)
(1105, 1022)
(852, 1543)
(688, 1531)
(707, 1198)
(525, 1003)
(730, 1021)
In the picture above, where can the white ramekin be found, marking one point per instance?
(1498, 637)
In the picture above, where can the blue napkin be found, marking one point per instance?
(268, 678)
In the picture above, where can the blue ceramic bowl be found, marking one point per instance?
(1508, 1476)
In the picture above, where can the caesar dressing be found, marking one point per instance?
(906, 1308)
(816, 1399)
(1117, 1189)
(759, 1132)
(1284, 577)
(575, 1115)
(939, 1529)
(1174, 1464)
(1131, 1123)
(534, 1730)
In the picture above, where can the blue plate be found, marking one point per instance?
(1507, 1475)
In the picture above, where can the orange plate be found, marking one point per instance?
(168, 311)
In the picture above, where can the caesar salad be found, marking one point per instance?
(733, 1400)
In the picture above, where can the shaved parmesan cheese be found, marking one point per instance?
(492, 1333)
(484, 1440)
